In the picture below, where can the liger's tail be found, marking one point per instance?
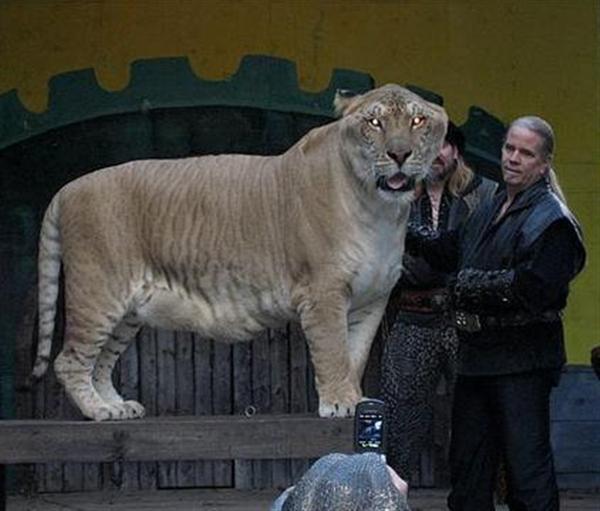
(49, 261)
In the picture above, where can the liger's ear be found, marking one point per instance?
(342, 100)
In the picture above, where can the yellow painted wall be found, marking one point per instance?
(511, 57)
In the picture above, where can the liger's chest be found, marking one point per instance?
(377, 266)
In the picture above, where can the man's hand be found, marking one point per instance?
(481, 290)
(416, 236)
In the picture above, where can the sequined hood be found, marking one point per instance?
(358, 482)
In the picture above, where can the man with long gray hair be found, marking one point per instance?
(514, 259)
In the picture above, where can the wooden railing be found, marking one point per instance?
(172, 438)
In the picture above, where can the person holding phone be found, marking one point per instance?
(362, 481)
(346, 482)
(514, 260)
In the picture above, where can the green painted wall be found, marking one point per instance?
(511, 57)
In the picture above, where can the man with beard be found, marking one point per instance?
(422, 345)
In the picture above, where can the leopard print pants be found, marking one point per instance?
(415, 357)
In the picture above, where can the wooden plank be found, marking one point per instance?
(298, 388)
(92, 476)
(129, 388)
(280, 395)
(39, 394)
(222, 371)
(110, 476)
(53, 403)
(73, 473)
(167, 396)
(186, 470)
(24, 399)
(24, 346)
(203, 391)
(174, 438)
(298, 370)
(146, 341)
(147, 349)
(233, 500)
(242, 401)
(262, 470)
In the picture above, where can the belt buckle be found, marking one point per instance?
(467, 322)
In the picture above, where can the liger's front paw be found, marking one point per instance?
(335, 410)
(118, 411)
(133, 409)
(339, 408)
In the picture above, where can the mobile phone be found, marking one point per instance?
(370, 426)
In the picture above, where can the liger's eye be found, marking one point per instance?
(417, 121)
(375, 122)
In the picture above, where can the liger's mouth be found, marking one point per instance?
(398, 182)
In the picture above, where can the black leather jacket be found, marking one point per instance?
(537, 247)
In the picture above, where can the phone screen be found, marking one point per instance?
(370, 431)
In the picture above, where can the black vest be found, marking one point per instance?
(494, 245)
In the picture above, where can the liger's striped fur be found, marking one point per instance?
(230, 245)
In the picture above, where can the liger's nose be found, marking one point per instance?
(399, 157)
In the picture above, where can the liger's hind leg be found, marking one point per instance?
(86, 336)
(117, 343)
(75, 364)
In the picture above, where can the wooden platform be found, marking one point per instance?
(166, 439)
(229, 500)
(180, 438)
(174, 438)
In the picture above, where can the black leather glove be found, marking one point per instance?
(417, 236)
(480, 291)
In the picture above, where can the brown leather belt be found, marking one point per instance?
(421, 300)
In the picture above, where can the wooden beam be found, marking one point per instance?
(174, 438)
